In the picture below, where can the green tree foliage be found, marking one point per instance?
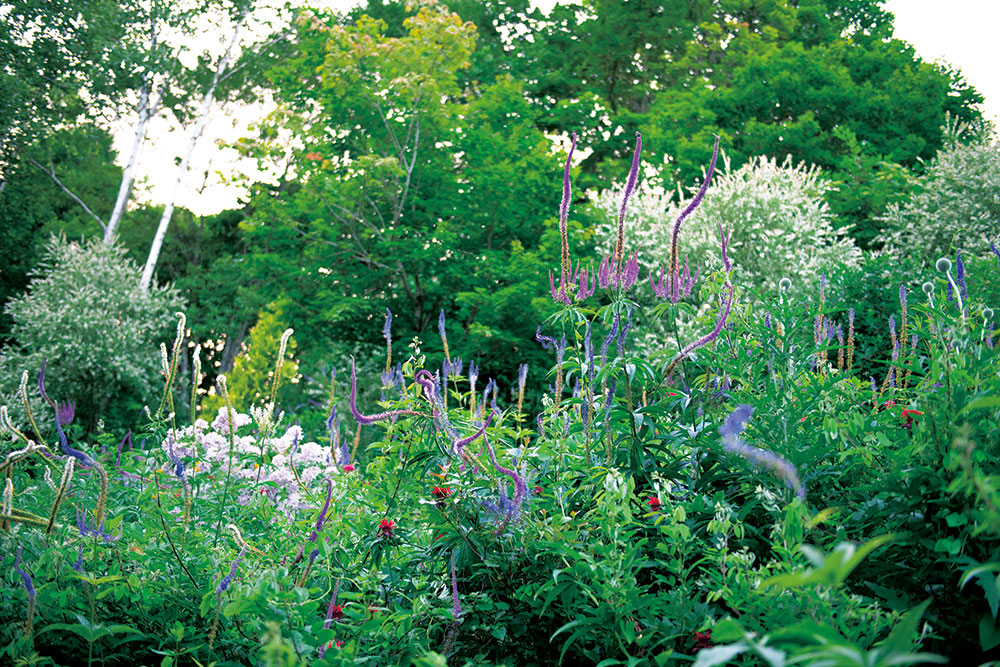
(820, 80)
(85, 317)
(33, 206)
(405, 194)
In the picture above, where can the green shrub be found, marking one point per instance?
(97, 332)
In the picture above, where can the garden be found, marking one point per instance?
(511, 367)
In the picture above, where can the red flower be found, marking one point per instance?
(335, 641)
(314, 156)
(702, 640)
(441, 492)
(538, 490)
(654, 503)
(908, 419)
(385, 528)
(348, 468)
(336, 612)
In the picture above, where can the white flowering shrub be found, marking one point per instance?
(98, 333)
(781, 226)
(956, 203)
(280, 467)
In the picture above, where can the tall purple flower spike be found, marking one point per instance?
(228, 579)
(730, 432)
(960, 274)
(456, 608)
(688, 210)
(633, 176)
(566, 277)
(460, 444)
(63, 442)
(520, 485)
(371, 419)
(25, 577)
(996, 251)
(707, 338)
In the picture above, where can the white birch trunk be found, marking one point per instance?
(168, 209)
(145, 112)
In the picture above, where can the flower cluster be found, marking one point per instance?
(203, 451)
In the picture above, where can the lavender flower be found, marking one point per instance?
(65, 412)
(456, 608)
(730, 432)
(78, 565)
(25, 577)
(688, 210)
(960, 274)
(996, 252)
(564, 213)
(707, 338)
(624, 333)
(228, 579)
(87, 531)
(610, 337)
(509, 510)
(460, 444)
(387, 327)
(629, 189)
(63, 442)
(370, 419)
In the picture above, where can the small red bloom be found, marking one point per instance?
(314, 156)
(441, 492)
(336, 612)
(538, 490)
(385, 528)
(348, 468)
(702, 639)
(654, 503)
(908, 419)
(336, 642)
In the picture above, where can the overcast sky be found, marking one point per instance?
(963, 35)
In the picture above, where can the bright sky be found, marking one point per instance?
(963, 35)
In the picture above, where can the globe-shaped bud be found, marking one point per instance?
(784, 284)
(943, 265)
(928, 288)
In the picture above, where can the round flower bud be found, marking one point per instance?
(943, 265)
(927, 287)
(987, 313)
(784, 284)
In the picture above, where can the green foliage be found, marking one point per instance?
(251, 380)
(85, 317)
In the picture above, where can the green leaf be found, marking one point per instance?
(719, 655)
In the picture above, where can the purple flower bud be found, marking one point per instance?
(624, 333)
(370, 419)
(441, 329)
(610, 337)
(78, 565)
(960, 274)
(548, 342)
(65, 412)
(996, 252)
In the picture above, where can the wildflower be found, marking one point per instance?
(441, 492)
(348, 468)
(509, 509)
(702, 640)
(674, 264)
(335, 642)
(730, 432)
(654, 503)
(385, 529)
(65, 412)
(228, 579)
(25, 577)
(314, 156)
(564, 213)
(538, 490)
(907, 416)
(707, 338)
(336, 612)
(370, 419)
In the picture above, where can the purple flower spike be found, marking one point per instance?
(174, 459)
(387, 327)
(707, 338)
(370, 419)
(607, 341)
(565, 266)
(631, 271)
(520, 485)
(688, 210)
(228, 579)
(588, 284)
(78, 565)
(960, 274)
(606, 275)
(441, 329)
(456, 608)
(548, 342)
(65, 412)
(25, 577)
(996, 251)
(725, 237)
(633, 175)
(558, 293)
(460, 444)
(730, 432)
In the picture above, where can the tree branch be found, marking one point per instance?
(51, 171)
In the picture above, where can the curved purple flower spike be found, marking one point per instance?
(520, 485)
(730, 432)
(63, 442)
(460, 444)
(688, 210)
(370, 419)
